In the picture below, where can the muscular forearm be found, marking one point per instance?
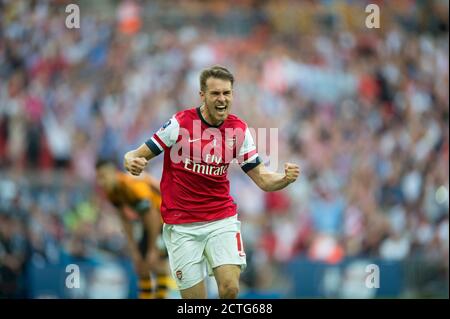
(274, 181)
(141, 151)
(270, 181)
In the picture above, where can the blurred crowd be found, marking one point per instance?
(365, 112)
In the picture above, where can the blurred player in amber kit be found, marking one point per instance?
(138, 201)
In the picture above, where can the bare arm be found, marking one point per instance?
(154, 184)
(136, 160)
(132, 244)
(139, 262)
(271, 181)
(152, 223)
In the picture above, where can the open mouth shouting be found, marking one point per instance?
(221, 109)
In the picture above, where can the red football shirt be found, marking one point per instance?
(194, 183)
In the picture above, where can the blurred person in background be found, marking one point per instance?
(137, 201)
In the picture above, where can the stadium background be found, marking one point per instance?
(364, 111)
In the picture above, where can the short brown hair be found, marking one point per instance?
(215, 71)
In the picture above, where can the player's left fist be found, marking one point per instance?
(291, 172)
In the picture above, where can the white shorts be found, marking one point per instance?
(195, 249)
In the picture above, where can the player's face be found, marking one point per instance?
(217, 99)
(106, 177)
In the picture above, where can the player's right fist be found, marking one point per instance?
(135, 165)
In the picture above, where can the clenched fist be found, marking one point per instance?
(291, 172)
(135, 165)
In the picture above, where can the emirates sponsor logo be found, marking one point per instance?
(205, 169)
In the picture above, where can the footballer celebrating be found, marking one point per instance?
(201, 229)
